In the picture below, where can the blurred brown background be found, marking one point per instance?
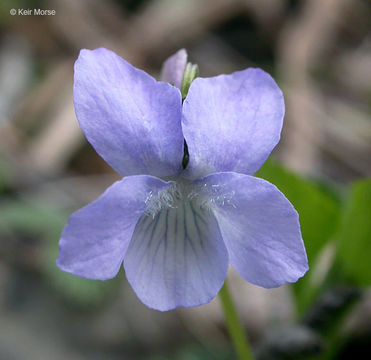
(318, 51)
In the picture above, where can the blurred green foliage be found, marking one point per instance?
(354, 237)
(197, 352)
(27, 221)
(342, 220)
(328, 217)
(318, 213)
(7, 175)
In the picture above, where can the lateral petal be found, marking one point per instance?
(259, 226)
(94, 241)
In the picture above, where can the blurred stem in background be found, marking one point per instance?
(235, 329)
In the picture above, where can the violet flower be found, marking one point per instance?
(175, 229)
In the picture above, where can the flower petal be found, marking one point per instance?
(94, 241)
(132, 120)
(260, 228)
(173, 68)
(231, 122)
(176, 258)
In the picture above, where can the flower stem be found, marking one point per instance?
(235, 329)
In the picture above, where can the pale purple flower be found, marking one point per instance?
(176, 230)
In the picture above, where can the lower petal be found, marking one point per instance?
(94, 241)
(260, 228)
(177, 257)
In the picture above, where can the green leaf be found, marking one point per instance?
(7, 174)
(354, 237)
(22, 217)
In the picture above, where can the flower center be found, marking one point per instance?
(205, 196)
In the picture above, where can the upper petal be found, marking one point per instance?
(232, 122)
(132, 120)
(260, 228)
(177, 258)
(173, 68)
(94, 241)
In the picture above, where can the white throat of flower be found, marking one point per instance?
(206, 197)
